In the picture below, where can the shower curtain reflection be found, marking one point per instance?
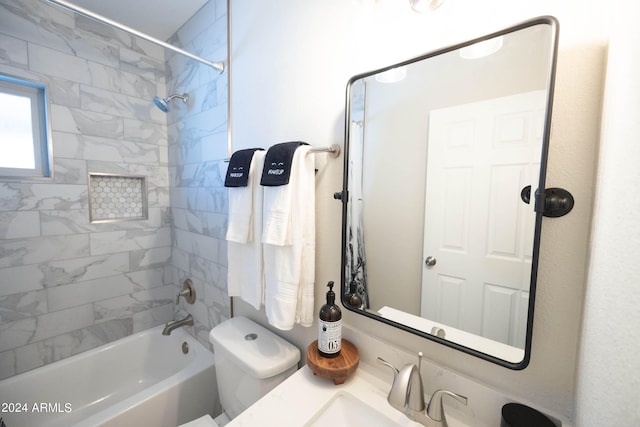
(355, 264)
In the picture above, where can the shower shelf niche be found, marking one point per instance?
(117, 198)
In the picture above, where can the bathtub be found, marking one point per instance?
(141, 380)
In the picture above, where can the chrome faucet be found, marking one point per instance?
(407, 395)
(170, 326)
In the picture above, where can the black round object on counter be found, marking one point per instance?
(517, 415)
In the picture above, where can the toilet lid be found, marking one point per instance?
(204, 421)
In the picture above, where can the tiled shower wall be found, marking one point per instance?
(197, 148)
(67, 285)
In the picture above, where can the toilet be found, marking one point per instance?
(250, 361)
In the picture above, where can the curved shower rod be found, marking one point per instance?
(104, 20)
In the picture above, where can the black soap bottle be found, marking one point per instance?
(330, 326)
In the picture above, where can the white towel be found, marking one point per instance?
(277, 210)
(289, 246)
(245, 273)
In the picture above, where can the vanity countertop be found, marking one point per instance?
(298, 399)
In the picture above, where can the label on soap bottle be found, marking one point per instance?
(330, 336)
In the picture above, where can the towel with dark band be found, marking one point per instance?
(238, 170)
(277, 163)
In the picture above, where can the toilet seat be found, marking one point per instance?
(204, 421)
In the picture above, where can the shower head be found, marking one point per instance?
(163, 104)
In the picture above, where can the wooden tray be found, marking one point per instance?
(338, 368)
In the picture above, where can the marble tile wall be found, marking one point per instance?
(67, 285)
(197, 134)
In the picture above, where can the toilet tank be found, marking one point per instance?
(250, 362)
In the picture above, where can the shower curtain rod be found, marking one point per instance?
(104, 20)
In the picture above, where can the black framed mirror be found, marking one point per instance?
(437, 239)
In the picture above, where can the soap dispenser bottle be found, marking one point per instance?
(330, 326)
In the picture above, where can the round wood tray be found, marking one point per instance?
(338, 368)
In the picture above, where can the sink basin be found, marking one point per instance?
(346, 410)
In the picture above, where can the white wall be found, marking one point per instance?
(609, 373)
(290, 64)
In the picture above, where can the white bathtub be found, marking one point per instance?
(141, 380)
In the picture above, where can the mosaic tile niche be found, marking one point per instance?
(117, 198)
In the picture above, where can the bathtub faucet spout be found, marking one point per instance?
(187, 321)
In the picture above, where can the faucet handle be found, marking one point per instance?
(184, 293)
(397, 396)
(435, 410)
(381, 361)
(188, 292)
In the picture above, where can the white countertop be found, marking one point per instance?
(303, 395)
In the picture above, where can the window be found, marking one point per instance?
(24, 134)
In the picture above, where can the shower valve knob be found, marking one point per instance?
(188, 292)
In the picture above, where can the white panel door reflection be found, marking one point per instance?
(477, 228)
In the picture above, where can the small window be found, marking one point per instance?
(24, 134)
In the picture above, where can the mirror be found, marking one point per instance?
(440, 227)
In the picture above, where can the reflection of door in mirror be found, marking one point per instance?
(478, 232)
